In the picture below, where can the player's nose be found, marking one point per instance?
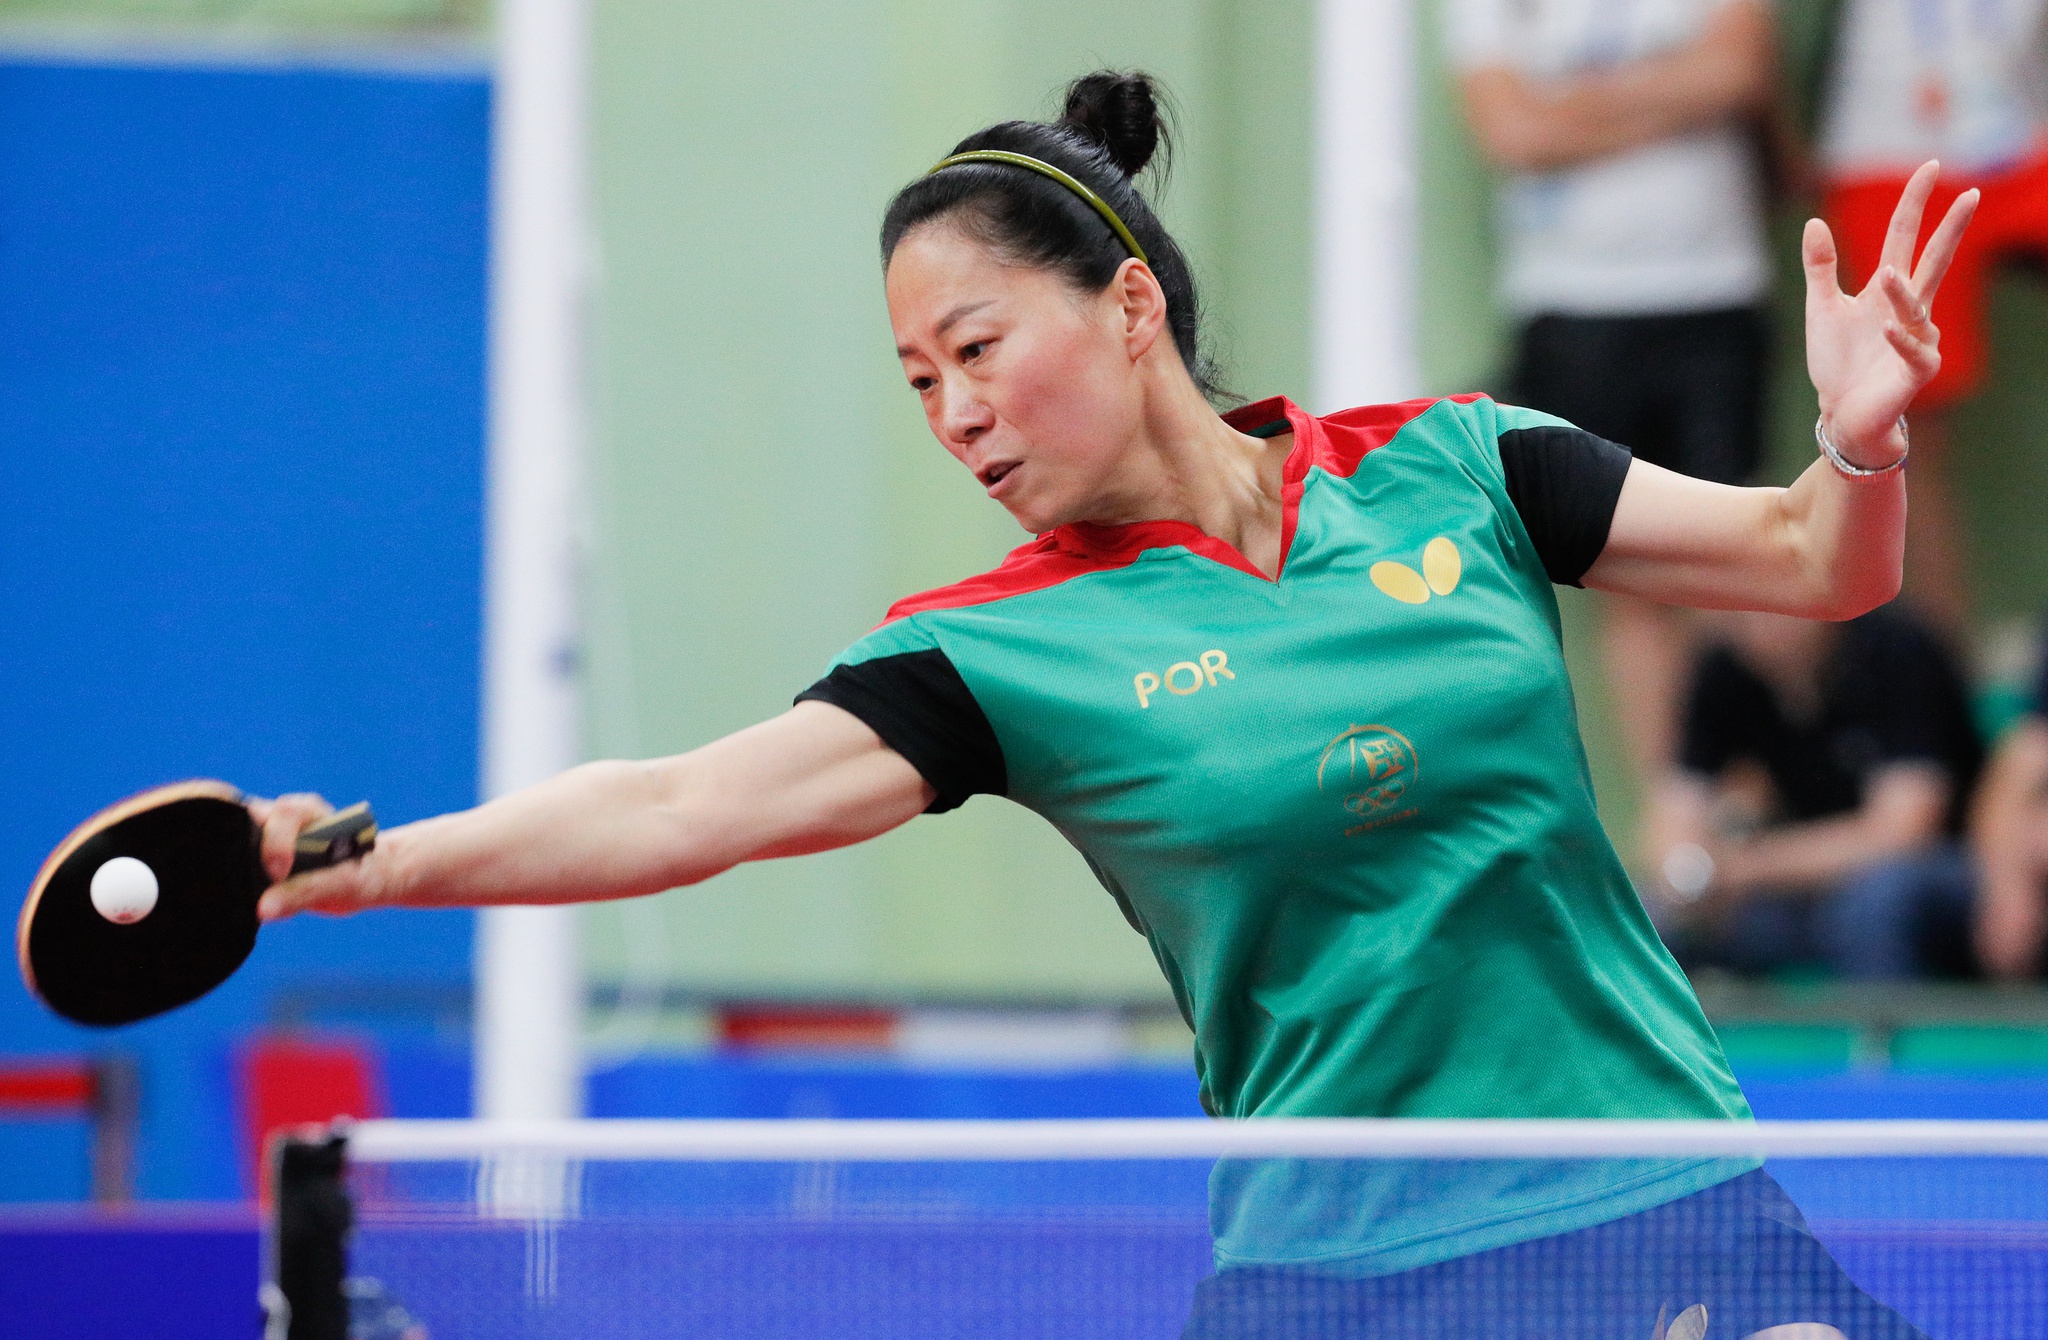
(965, 418)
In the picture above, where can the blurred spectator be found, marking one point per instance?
(1825, 770)
(2009, 831)
(1957, 80)
(1633, 251)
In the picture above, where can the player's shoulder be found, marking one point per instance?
(916, 623)
(1465, 423)
(1350, 435)
(1035, 565)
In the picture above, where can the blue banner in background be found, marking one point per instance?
(242, 327)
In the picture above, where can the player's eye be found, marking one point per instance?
(923, 384)
(972, 350)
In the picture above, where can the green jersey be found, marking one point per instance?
(1348, 807)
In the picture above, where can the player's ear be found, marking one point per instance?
(1143, 304)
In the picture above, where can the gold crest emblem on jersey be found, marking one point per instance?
(1374, 768)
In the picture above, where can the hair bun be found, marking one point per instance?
(1120, 111)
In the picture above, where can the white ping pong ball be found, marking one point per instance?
(124, 890)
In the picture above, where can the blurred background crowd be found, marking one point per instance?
(1818, 796)
(243, 253)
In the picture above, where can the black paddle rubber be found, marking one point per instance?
(199, 841)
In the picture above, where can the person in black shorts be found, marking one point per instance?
(1685, 391)
(1633, 255)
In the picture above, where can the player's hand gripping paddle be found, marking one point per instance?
(152, 903)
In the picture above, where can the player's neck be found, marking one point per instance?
(1189, 465)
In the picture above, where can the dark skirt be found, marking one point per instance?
(1740, 1249)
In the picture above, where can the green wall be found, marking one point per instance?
(766, 484)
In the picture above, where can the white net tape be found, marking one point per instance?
(785, 1141)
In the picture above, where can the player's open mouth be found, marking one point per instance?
(992, 476)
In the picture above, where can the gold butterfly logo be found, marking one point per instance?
(1441, 568)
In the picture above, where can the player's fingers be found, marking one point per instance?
(278, 902)
(1921, 355)
(1941, 248)
(1904, 232)
(330, 891)
(1817, 257)
(285, 819)
(1907, 309)
(284, 900)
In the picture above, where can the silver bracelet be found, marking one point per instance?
(1843, 464)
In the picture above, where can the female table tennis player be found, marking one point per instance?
(1293, 686)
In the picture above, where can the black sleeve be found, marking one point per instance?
(923, 710)
(1564, 482)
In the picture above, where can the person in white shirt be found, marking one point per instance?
(1957, 80)
(1633, 251)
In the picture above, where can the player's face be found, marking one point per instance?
(1030, 385)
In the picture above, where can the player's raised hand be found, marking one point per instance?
(1869, 354)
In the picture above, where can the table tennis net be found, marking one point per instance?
(1389, 1230)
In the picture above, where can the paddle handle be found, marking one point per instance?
(345, 835)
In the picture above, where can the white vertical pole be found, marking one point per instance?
(1364, 194)
(529, 986)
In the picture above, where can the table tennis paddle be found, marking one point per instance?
(151, 903)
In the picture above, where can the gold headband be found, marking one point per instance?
(1044, 169)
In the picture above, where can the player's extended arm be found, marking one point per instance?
(1829, 547)
(1729, 70)
(811, 779)
(2012, 855)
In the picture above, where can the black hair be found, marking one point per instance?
(1114, 126)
